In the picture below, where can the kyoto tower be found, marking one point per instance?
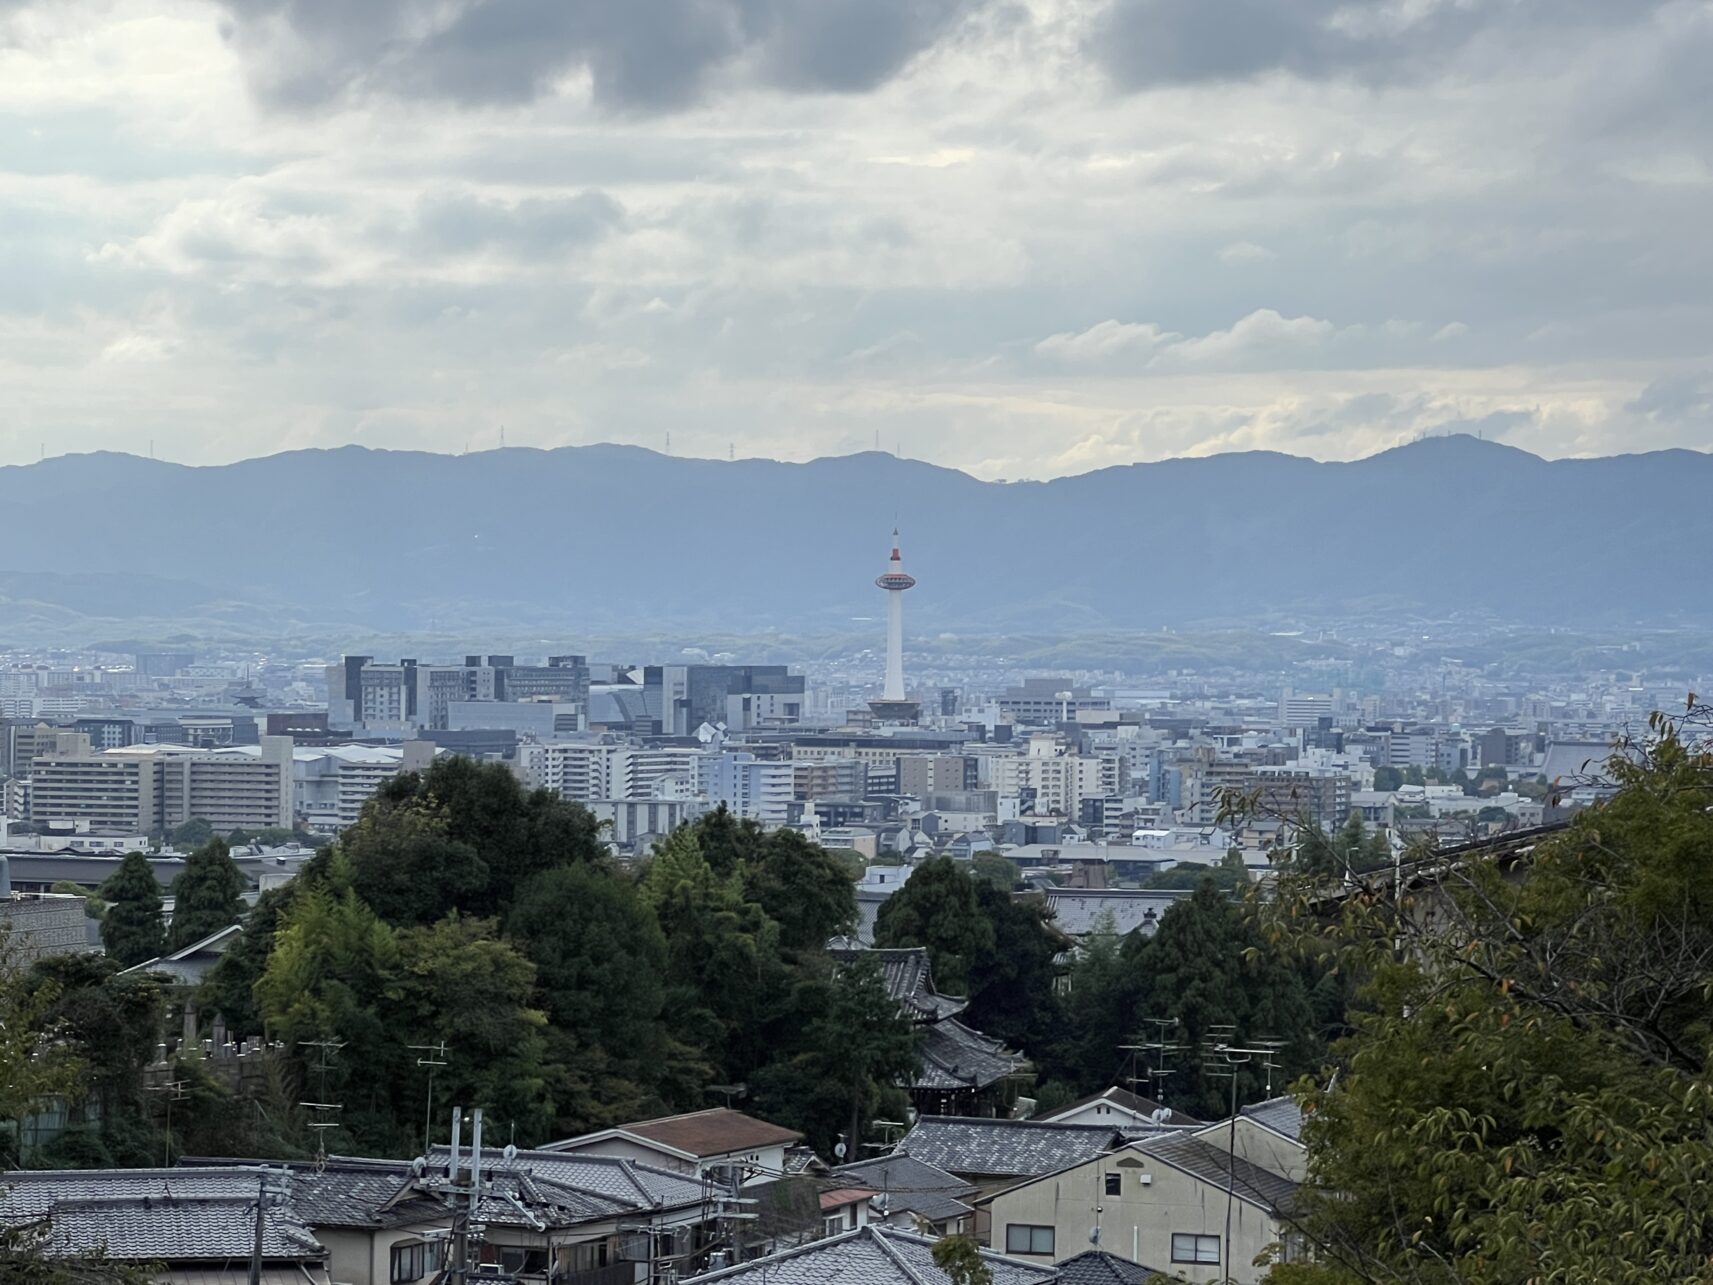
(893, 707)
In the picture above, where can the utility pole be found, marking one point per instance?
(1228, 1057)
(326, 1113)
(174, 1090)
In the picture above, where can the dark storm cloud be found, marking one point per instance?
(1142, 43)
(645, 55)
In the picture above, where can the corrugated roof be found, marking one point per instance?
(872, 1255)
(1004, 1148)
(713, 1132)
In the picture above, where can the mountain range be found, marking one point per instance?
(615, 537)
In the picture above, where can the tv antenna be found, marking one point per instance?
(174, 1091)
(325, 1114)
(1224, 1058)
(434, 1057)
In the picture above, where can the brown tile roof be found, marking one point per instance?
(713, 1132)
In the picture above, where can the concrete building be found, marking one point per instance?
(146, 788)
(330, 784)
(1049, 701)
(748, 786)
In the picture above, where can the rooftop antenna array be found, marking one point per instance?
(1224, 1058)
(324, 1114)
(1154, 1048)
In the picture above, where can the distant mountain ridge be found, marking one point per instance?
(621, 537)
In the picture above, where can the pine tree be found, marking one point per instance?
(207, 895)
(132, 931)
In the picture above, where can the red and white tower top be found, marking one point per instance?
(895, 578)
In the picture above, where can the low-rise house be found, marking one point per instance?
(914, 1195)
(1130, 1113)
(190, 965)
(1097, 1267)
(872, 1256)
(728, 1146)
(197, 1226)
(1203, 1204)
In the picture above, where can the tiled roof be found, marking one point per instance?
(713, 1132)
(347, 1191)
(1281, 1115)
(1216, 1165)
(909, 980)
(177, 1231)
(612, 1178)
(1080, 911)
(870, 1256)
(28, 1194)
(913, 1186)
(1097, 1267)
(1125, 1099)
(1004, 1148)
(955, 1057)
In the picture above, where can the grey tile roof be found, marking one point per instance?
(913, 1186)
(1004, 1148)
(28, 1194)
(1079, 911)
(955, 1057)
(1216, 1166)
(870, 1256)
(566, 1187)
(1281, 1115)
(909, 980)
(346, 1191)
(178, 1230)
(1097, 1267)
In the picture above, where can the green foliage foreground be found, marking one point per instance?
(1527, 1096)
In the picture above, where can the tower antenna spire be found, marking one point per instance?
(894, 706)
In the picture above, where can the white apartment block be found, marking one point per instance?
(142, 788)
(750, 787)
(585, 770)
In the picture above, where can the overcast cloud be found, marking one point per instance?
(1019, 237)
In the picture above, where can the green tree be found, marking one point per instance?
(1526, 1095)
(93, 906)
(1101, 997)
(959, 1257)
(459, 982)
(406, 865)
(29, 1257)
(600, 962)
(32, 1067)
(1387, 778)
(207, 895)
(131, 931)
(1228, 876)
(937, 908)
(1208, 968)
(192, 835)
(1011, 984)
(993, 869)
(802, 888)
(230, 987)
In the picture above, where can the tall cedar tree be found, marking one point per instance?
(207, 895)
(131, 930)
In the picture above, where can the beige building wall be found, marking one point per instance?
(1153, 1201)
(1260, 1147)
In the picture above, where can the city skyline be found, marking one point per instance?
(1022, 241)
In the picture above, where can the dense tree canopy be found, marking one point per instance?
(1526, 1095)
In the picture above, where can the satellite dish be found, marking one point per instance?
(1094, 1235)
(509, 1151)
(419, 1166)
(838, 1151)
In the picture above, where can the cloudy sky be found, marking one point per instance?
(1019, 237)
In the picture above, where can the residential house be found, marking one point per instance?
(873, 1256)
(1097, 1267)
(198, 1227)
(1130, 1113)
(727, 1146)
(914, 1195)
(1202, 1204)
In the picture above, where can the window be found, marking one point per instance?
(1021, 1238)
(410, 1262)
(1114, 1184)
(1188, 1247)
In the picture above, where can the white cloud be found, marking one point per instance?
(1241, 252)
(1264, 336)
(1105, 340)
